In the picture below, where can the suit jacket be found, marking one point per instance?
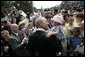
(27, 32)
(18, 49)
(21, 34)
(44, 46)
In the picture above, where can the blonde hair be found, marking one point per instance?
(21, 23)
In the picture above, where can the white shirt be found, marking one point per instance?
(16, 34)
(40, 29)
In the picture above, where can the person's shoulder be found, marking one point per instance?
(11, 36)
(18, 31)
(39, 31)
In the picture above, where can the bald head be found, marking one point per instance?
(14, 27)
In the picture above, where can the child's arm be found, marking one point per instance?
(49, 33)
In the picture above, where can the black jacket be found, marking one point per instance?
(14, 42)
(44, 46)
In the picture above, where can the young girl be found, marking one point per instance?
(74, 40)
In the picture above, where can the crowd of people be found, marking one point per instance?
(46, 33)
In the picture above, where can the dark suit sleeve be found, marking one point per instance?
(55, 43)
(17, 48)
(36, 40)
(13, 44)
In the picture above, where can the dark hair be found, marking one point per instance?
(66, 11)
(71, 15)
(78, 10)
(65, 16)
(76, 29)
(4, 22)
(56, 10)
(18, 20)
(47, 10)
(20, 16)
(81, 15)
(12, 21)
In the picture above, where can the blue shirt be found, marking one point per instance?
(60, 35)
(75, 40)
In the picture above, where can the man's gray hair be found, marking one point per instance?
(39, 19)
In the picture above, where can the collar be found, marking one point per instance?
(40, 29)
(16, 34)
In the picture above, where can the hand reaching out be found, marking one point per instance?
(25, 40)
(49, 33)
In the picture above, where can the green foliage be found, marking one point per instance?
(5, 5)
(71, 4)
(22, 5)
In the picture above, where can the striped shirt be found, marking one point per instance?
(60, 35)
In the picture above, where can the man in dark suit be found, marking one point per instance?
(43, 43)
(16, 43)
